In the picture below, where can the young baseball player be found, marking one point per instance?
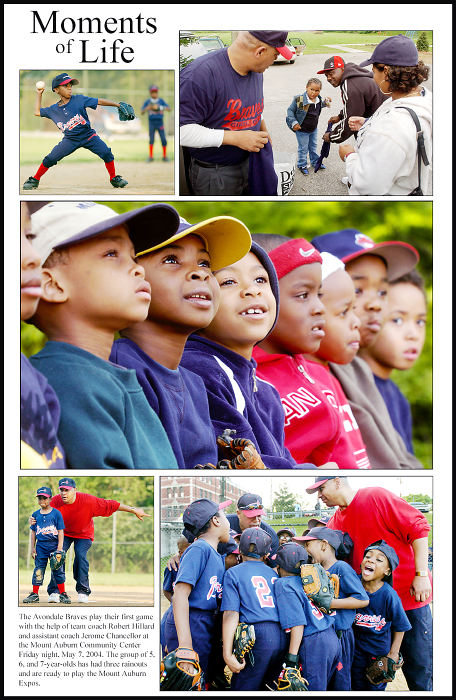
(179, 270)
(371, 266)
(40, 409)
(322, 544)
(398, 346)
(156, 107)
(70, 116)
(198, 585)
(47, 534)
(302, 118)
(169, 575)
(92, 288)
(248, 596)
(286, 534)
(380, 627)
(312, 641)
(222, 355)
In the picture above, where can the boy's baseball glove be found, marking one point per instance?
(174, 677)
(244, 639)
(319, 586)
(383, 669)
(125, 111)
(290, 679)
(56, 560)
(239, 452)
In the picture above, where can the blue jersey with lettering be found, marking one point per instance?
(373, 625)
(249, 589)
(47, 525)
(296, 609)
(71, 118)
(349, 586)
(203, 568)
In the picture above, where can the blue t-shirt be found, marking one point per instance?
(349, 586)
(155, 116)
(47, 525)
(296, 609)
(373, 625)
(214, 95)
(203, 568)
(398, 408)
(71, 118)
(248, 588)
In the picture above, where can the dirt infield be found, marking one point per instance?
(92, 179)
(101, 596)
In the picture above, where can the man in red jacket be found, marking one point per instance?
(375, 513)
(78, 510)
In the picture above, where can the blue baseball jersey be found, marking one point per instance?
(47, 525)
(249, 589)
(203, 568)
(71, 118)
(155, 116)
(349, 586)
(296, 609)
(373, 625)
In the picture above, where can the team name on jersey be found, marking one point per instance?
(375, 622)
(74, 121)
(48, 530)
(239, 117)
(215, 590)
(298, 403)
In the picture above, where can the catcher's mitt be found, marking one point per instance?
(239, 452)
(125, 111)
(174, 677)
(383, 669)
(290, 679)
(319, 586)
(244, 639)
(56, 560)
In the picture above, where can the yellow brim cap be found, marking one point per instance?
(227, 239)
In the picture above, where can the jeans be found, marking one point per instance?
(307, 144)
(80, 565)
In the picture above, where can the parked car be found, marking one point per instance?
(281, 59)
(298, 43)
(211, 42)
(422, 507)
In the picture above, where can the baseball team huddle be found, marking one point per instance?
(340, 607)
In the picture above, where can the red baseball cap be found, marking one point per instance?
(331, 63)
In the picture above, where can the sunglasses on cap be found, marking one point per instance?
(251, 506)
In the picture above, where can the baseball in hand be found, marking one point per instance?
(40, 85)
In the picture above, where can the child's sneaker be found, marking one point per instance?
(118, 181)
(31, 184)
(304, 171)
(32, 598)
(64, 598)
(165, 159)
(54, 598)
(322, 167)
(150, 160)
(83, 598)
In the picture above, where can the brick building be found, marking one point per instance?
(177, 492)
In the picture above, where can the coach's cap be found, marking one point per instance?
(331, 63)
(396, 50)
(44, 491)
(275, 39)
(255, 543)
(290, 556)
(319, 481)
(334, 537)
(198, 513)
(227, 239)
(349, 243)
(67, 483)
(293, 254)
(63, 79)
(286, 530)
(389, 553)
(251, 505)
(61, 224)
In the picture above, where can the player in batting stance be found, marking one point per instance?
(78, 510)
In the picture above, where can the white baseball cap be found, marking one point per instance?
(61, 224)
(330, 263)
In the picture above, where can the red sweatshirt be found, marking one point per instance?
(312, 426)
(377, 514)
(78, 517)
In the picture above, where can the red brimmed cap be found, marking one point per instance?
(275, 39)
(331, 63)
(319, 481)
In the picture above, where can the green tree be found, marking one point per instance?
(418, 498)
(284, 500)
(422, 43)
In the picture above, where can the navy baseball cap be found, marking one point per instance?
(260, 540)
(153, 87)
(198, 513)
(319, 481)
(67, 483)
(251, 504)
(318, 522)
(349, 243)
(290, 556)
(334, 537)
(230, 547)
(389, 553)
(332, 63)
(396, 50)
(290, 530)
(63, 79)
(61, 224)
(44, 491)
(275, 39)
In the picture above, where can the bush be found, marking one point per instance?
(422, 43)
